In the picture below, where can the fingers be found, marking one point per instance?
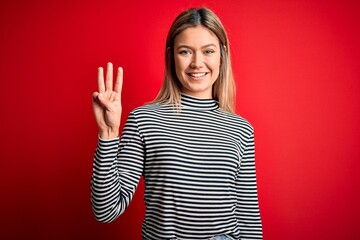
(101, 85)
(108, 84)
(119, 81)
(109, 77)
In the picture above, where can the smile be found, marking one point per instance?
(197, 75)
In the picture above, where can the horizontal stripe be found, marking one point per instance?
(198, 164)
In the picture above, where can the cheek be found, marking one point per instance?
(215, 65)
(180, 65)
(214, 60)
(178, 69)
(218, 62)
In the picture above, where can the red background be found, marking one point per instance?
(297, 67)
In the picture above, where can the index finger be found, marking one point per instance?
(119, 80)
(101, 85)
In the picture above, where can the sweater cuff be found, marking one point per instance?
(108, 146)
(107, 141)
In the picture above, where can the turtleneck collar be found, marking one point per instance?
(198, 103)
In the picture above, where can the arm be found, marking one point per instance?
(247, 210)
(116, 172)
(117, 166)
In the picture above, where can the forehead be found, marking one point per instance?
(196, 36)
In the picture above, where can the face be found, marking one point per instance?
(197, 61)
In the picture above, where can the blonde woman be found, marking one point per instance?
(195, 154)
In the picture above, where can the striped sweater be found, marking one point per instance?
(198, 166)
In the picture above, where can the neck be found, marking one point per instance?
(200, 95)
(203, 104)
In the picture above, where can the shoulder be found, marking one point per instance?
(238, 122)
(149, 109)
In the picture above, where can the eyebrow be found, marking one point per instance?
(205, 46)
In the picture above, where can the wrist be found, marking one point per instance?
(109, 133)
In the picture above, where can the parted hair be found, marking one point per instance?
(224, 87)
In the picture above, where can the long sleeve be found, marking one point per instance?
(248, 212)
(117, 168)
(199, 172)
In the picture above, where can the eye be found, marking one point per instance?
(184, 52)
(209, 51)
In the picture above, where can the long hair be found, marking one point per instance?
(224, 87)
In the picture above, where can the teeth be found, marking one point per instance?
(197, 74)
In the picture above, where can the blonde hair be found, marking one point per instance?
(224, 87)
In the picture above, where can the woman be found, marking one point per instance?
(195, 154)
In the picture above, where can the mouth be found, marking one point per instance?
(197, 75)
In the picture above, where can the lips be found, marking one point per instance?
(197, 75)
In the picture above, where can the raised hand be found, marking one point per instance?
(107, 102)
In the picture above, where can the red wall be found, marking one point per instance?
(297, 66)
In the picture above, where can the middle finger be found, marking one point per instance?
(109, 77)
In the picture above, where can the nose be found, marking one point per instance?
(197, 60)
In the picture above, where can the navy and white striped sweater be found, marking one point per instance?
(198, 166)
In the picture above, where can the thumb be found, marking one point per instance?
(104, 102)
(95, 97)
